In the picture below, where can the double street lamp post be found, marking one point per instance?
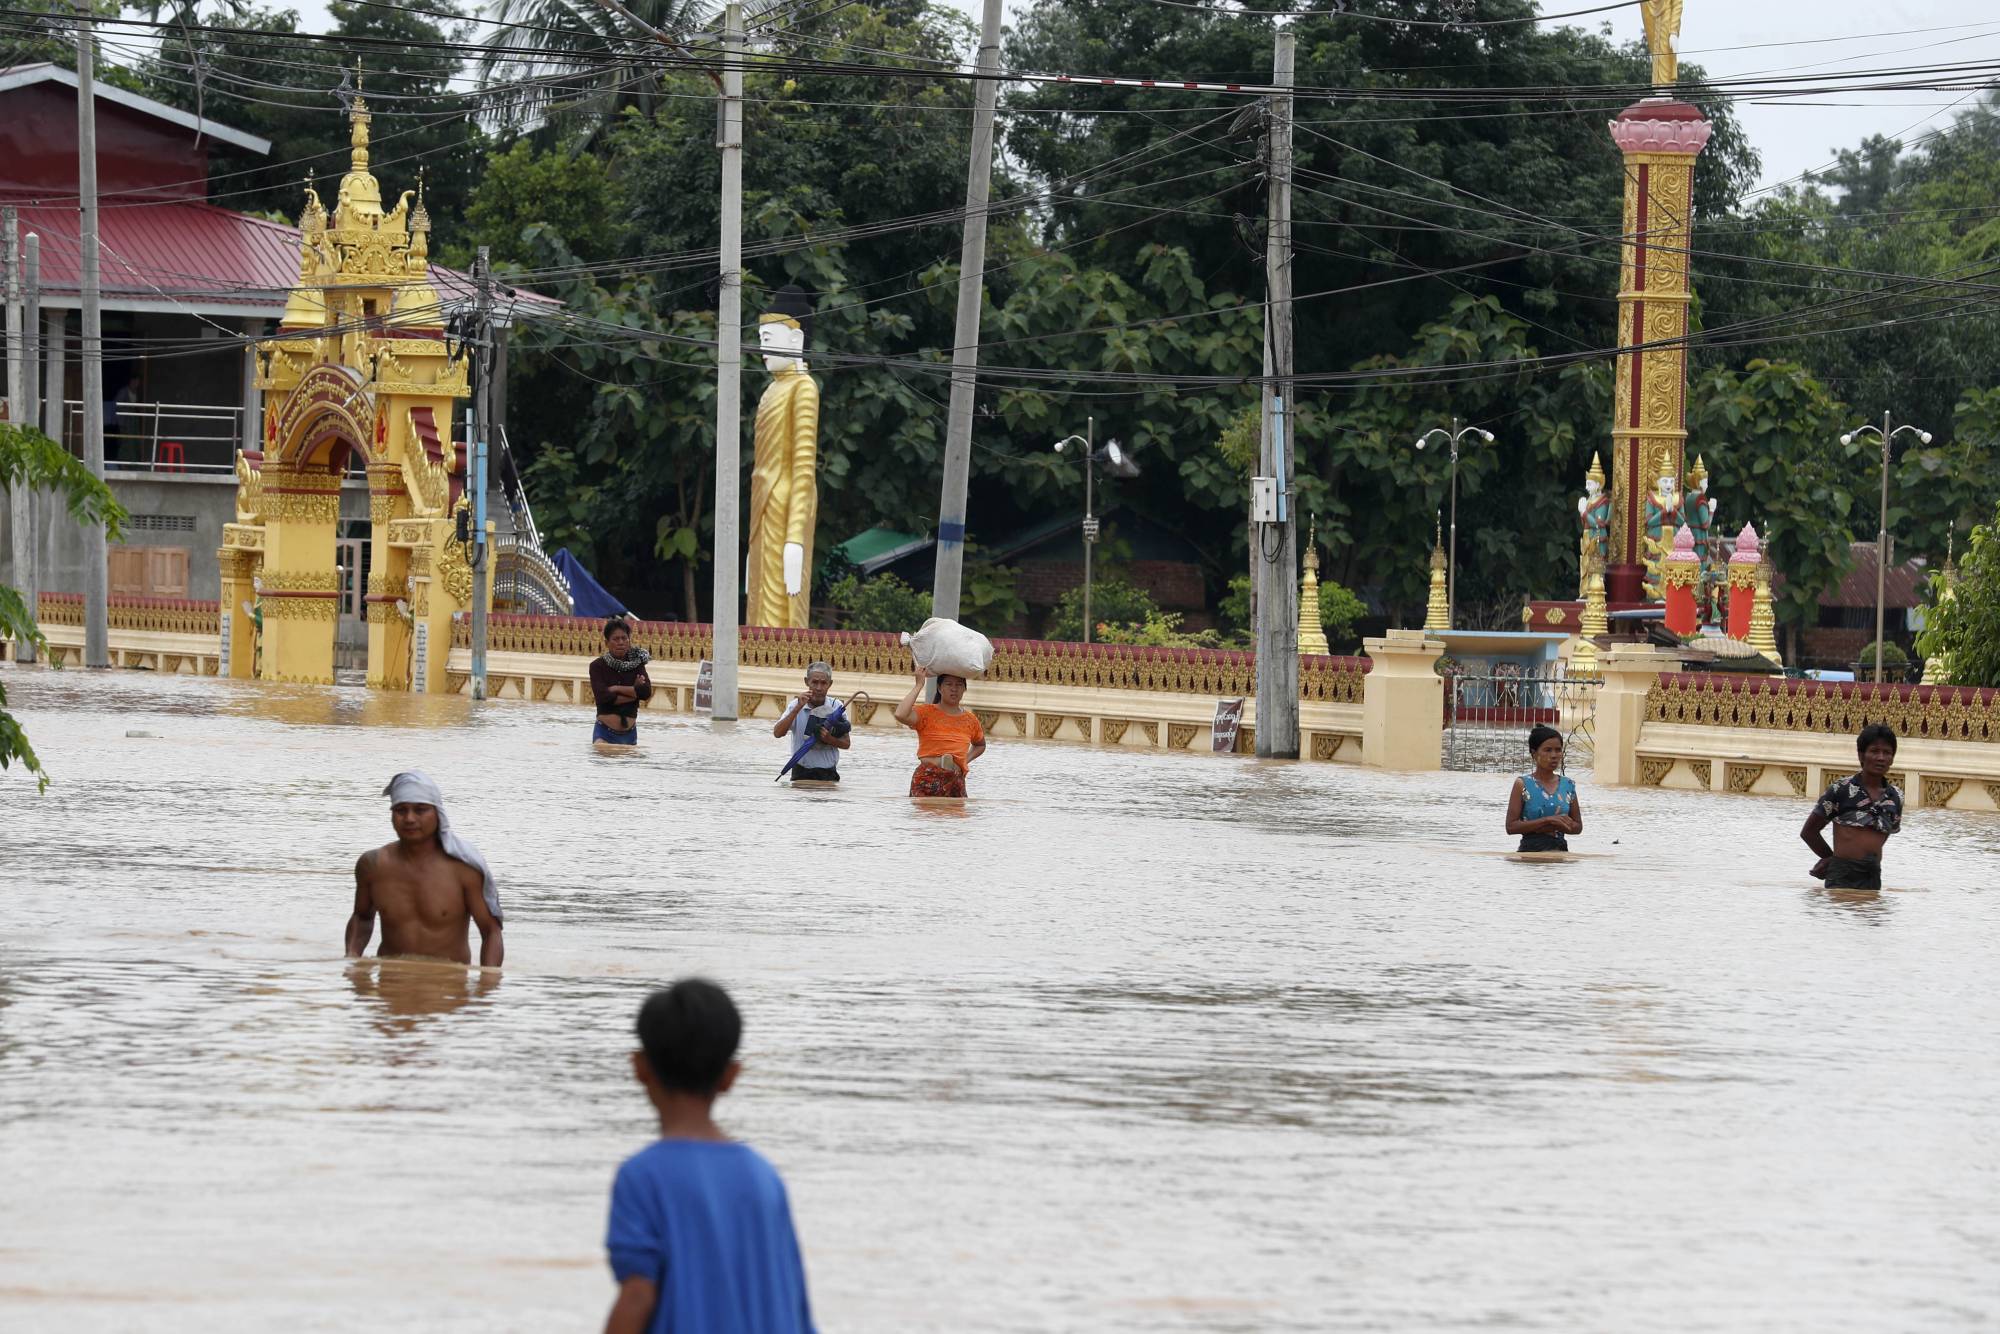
(1112, 455)
(1888, 436)
(1453, 436)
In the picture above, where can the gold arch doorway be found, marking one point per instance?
(359, 369)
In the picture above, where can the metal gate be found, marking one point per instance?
(350, 637)
(1489, 711)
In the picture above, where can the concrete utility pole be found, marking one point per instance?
(20, 364)
(727, 616)
(482, 430)
(1277, 537)
(965, 337)
(26, 578)
(10, 224)
(96, 555)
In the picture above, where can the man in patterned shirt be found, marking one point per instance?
(1864, 811)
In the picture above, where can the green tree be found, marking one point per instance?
(1783, 467)
(30, 459)
(1962, 630)
(233, 71)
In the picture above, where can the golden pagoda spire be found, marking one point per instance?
(1312, 636)
(1763, 624)
(360, 196)
(1937, 668)
(1437, 612)
(1596, 619)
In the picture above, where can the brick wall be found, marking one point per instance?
(1175, 585)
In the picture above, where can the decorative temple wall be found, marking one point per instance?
(1776, 737)
(1106, 694)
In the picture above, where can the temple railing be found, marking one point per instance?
(172, 616)
(1214, 673)
(1932, 713)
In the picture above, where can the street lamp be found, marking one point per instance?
(1453, 436)
(1882, 528)
(1112, 455)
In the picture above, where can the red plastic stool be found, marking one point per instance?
(171, 458)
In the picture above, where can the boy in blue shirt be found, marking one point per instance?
(701, 1238)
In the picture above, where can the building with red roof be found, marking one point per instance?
(186, 289)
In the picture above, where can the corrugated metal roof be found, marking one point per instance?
(21, 76)
(1903, 585)
(193, 257)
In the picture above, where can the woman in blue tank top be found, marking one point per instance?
(1543, 808)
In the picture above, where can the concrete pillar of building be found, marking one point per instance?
(388, 595)
(300, 596)
(1630, 671)
(1402, 702)
(237, 598)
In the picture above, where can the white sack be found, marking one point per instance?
(943, 647)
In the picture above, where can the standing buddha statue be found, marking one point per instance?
(784, 487)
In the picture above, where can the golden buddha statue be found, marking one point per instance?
(784, 489)
(1662, 21)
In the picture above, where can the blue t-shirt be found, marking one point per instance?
(709, 1224)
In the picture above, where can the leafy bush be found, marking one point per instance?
(1339, 609)
(1162, 629)
(1114, 603)
(1895, 662)
(881, 603)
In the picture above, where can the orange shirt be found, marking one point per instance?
(941, 733)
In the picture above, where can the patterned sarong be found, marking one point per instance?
(930, 780)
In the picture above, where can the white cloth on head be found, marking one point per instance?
(420, 789)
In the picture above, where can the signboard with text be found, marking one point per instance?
(704, 687)
(1228, 718)
(420, 659)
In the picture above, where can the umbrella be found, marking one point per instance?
(839, 712)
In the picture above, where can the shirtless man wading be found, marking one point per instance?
(427, 885)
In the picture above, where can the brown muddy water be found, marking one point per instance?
(1132, 1042)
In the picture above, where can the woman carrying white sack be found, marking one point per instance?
(949, 736)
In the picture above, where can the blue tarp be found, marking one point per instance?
(591, 597)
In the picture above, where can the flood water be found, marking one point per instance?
(1132, 1042)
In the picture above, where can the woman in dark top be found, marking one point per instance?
(1864, 811)
(618, 681)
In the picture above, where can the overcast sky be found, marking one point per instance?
(1739, 37)
(1803, 37)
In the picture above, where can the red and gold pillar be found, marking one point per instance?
(1660, 139)
(1743, 564)
(1680, 577)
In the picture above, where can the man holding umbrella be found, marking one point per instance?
(819, 721)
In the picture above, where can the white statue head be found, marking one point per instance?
(1591, 488)
(782, 329)
(1668, 487)
(783, 341)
